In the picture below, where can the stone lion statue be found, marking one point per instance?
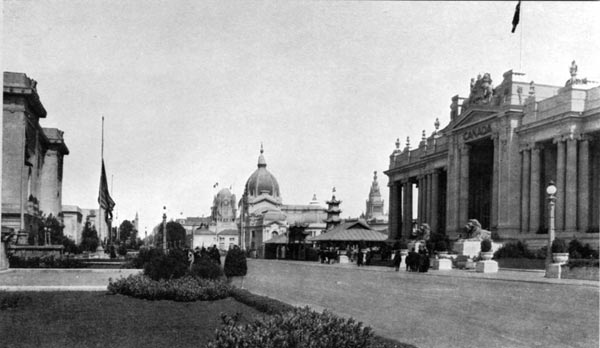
(474, 231)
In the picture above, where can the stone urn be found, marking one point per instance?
(486, 255)
(443, 254)
(403, 252)
(560, 257)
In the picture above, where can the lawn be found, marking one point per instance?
(96, 319)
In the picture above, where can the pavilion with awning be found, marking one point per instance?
(350, 233)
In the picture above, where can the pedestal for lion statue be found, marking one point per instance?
(470, 248)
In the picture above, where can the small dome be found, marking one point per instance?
(224, 194)
(262, 181)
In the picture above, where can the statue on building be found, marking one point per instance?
(473, 231)
(481, 91)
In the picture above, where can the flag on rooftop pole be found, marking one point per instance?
(515, 20)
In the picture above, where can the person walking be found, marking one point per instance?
(359, 258)
(397, 260)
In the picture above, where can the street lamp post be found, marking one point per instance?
(165, 229)
(551, 191)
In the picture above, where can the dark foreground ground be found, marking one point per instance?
(95, 319)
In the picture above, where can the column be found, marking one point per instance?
(430, 202)
(560, 185)
(435, 200)
(495, 182)
(571, 186)
(463, 209)
(406, 209)
(534, 190)
(420, 197)
(409, 207)
(395, 212)
(525, 180)
(583, 205)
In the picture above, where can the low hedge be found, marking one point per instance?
(580, 263)
(261, 303)
(184, 289)
(44, 262)
(301, 327)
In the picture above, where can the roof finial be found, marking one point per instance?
(423, 136)
(261, 158)
(437, 124)
(408, 142)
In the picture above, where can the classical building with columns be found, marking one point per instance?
(494, 159)
(32, 156)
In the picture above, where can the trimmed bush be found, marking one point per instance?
(513, 250)
(183, 289)
(171, 266)
(300, 327)
(441, 245)
(583, 263)
(235, 263)
(261, 303)
(559, 246)
(579, 251)
(206, 268)
(486, 245)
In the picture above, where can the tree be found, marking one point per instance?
(126, 232)
(89, 238)
(175, 235)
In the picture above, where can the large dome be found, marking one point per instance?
(262, 181)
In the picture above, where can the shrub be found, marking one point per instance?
(583, 263)
(122, 249)
(515, 250)
(172, 265)
(183, 289)
(44, 262)
(207, 269)
(579, 251)
(300, 327)
(144, 256)
(541, 253)
(235, 263)
(261, 303)
(559, 246)
(486, 245)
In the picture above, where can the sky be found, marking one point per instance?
(189, 90)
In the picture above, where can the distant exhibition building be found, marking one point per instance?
(495, 158)
(263, 216)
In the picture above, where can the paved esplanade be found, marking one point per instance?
(441, 308)
(436, 309)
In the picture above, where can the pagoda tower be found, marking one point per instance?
(333, 212)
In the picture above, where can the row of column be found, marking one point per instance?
(428, 199)
(572, 183)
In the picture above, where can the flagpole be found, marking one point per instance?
(521, 41)
(101, 165)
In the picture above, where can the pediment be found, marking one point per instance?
(473, 116)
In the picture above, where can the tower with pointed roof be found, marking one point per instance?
(333, 212)
(374, 203)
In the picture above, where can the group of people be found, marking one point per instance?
(415, 261)
(211, 253)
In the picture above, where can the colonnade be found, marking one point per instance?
(401, 200)
(572, 181)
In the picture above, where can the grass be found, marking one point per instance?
(96, 319)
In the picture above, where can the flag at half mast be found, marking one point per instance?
(104, 199)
